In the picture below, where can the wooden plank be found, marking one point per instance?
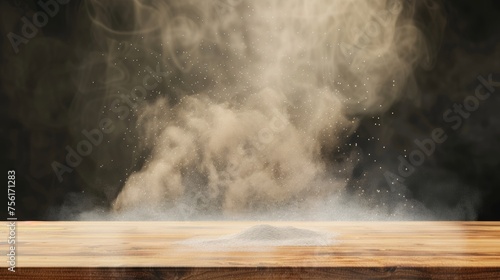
(378, 249)
(285, 273)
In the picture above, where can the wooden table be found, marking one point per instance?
(131, 250)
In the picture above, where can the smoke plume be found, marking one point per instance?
(251, 98)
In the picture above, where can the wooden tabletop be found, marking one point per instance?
(160, 244)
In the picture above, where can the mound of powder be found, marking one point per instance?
(264, 236)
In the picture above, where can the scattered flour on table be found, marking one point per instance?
(264, 236)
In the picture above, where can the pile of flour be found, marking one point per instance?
(264, 236)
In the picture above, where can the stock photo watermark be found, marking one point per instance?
(455, 117)
(225, 7)
(370, 31)
(256, 146)
(30, 27)
(122, 107)
(261, 141)
(11, 255)
(11, 220)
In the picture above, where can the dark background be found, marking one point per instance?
(37, 93)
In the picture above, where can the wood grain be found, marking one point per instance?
(118, 250)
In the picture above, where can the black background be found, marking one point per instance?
(468, 160)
